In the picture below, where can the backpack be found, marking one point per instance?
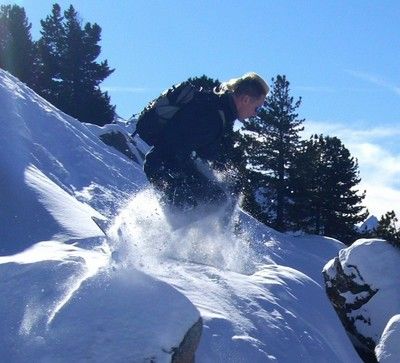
(162, 111)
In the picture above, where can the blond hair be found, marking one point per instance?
(250, 84)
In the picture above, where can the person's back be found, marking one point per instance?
(195, 125)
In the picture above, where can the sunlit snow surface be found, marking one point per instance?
(255, 303)
(388, 349)
(68, 294)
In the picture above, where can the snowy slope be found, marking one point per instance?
(259, 292)
(46, 153)
(133, 296)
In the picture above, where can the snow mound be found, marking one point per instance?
(388, 349)
(69, 307)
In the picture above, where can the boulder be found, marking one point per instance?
(362, 283)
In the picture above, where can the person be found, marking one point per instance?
(172, 166)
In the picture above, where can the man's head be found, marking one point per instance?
(249, 92)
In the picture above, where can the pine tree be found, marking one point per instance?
(16, 47)
(388, 230)
(323, 187)
(70, 75)
(204, 82)
(270, 142)
(305, 182)
(49, 46)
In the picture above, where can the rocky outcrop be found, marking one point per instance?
(340, 287)
(119, 135)
(363, 286)
(185, 353)
(119, 141)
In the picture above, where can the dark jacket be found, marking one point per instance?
(197, 128)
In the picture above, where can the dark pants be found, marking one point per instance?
(181, 184)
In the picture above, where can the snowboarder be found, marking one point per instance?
(196, 133)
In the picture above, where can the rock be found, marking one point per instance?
(369, 225)
(119, 141)
(363, 286)
(185, 353)
(339, 290)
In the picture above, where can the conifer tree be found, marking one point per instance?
(204, 82)
(270, 142)
(49, 46)
(388, 230)
(17, 54)
(305, 181)
(323, 187)
(70, 74)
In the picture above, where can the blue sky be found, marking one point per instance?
(341, 57)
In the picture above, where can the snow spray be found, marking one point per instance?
(141, 236)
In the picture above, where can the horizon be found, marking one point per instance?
(340, 57)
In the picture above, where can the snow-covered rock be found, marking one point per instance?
(363, 285)
(369, 225)
(119, 136)
(388, 349)
(64, 305)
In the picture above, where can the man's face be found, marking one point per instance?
(248, 106)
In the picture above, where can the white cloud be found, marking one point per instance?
(376, 80)
(381, 198)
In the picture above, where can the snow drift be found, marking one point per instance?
(388, 349)
(53, 167)
(69, 294)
